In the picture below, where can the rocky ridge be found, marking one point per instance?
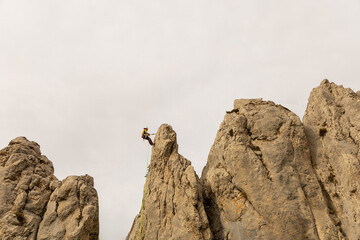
(34, 204)
(268, 175)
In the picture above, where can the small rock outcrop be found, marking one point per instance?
(34, 204)
(173, 206)
(268, 175)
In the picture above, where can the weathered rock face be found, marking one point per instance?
(26, 178)
(259, 181)
(173, 207)
(72, 211)
(28, 191)
(332, 121)
(268, 175)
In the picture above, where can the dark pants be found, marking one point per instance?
(149, 139)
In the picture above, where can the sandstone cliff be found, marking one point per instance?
(34, 204)
(268, 175)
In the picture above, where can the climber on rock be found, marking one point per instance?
(146, 135)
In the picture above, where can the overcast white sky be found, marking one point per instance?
(83, 77)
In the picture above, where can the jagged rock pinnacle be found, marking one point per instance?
(173, 206)
(165, 142)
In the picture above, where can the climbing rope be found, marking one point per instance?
(144, 192)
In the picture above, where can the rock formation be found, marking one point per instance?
(173, 206)
(268, 175)
(34, 204)
(332, 122)
(259, 181)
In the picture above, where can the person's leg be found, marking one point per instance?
(150, 141)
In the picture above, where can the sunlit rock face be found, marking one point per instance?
(28, 189)
(173, 206)
(259, 182)
(268, 175)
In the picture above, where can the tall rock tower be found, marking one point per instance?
(173, 206)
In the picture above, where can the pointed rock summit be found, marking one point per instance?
(173, 205)
(268, 175)
(34, 204)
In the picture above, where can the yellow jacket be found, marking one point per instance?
(144, 133)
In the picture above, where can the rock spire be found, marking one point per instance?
(173, 206)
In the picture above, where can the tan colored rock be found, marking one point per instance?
(332, 121)
(72, 212)
(26, 184)
(259, 182)
(25, 176)
(268, 175)
(173, 206)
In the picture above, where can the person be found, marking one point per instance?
(146, 135)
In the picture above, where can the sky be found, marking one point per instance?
(83, 77)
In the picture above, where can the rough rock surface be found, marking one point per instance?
(27, 183)
(72, 211)
(332, 121)
(268, 176)
(259, 181)
(173, 207)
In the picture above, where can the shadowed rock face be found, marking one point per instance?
(268, 175)
(332, 122)
(29, 191)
